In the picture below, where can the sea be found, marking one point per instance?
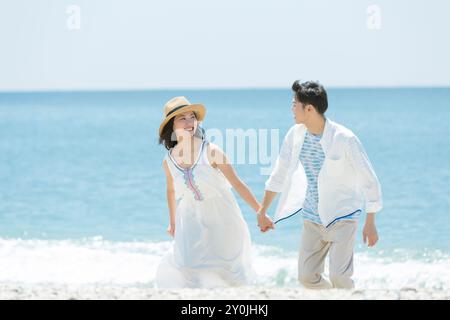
(83, 198)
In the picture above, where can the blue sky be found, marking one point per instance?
(142, 44)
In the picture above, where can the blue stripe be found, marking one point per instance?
(288, 216)
(339, 218)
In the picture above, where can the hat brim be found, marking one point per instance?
(199, 109)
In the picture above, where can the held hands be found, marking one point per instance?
(264, 221)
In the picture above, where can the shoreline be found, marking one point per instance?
(13, 291)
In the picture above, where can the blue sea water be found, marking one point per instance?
(80, 174)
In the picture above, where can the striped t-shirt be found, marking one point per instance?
(312, 158)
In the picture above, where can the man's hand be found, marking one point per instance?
(264, 221)
(370, 235)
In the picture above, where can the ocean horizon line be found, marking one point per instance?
(217, 89)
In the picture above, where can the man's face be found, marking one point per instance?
(299, 111)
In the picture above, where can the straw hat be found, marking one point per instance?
(179, 105)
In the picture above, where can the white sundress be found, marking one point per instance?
(212, 241)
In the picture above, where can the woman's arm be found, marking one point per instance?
(170, 199)
(219, 160)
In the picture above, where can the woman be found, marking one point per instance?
(212, 242)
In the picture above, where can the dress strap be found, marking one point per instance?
(199, 156)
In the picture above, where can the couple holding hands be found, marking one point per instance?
(322, 173)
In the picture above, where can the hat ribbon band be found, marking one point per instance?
(176, 109)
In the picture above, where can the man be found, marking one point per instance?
(324, 174)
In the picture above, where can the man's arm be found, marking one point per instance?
(276, 181)
(370, 188)
(366, 177)
(277, 178)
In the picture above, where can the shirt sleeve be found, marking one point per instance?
(366, 177)
(277, 179)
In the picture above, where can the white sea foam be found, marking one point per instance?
(96, 261)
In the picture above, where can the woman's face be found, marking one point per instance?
(185, 124)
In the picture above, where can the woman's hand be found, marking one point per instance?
(264, 221)
(171, 229)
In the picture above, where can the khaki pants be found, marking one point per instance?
(316, 242)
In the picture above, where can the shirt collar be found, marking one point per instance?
(327, 135)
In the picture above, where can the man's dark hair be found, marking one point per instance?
(313, 93)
